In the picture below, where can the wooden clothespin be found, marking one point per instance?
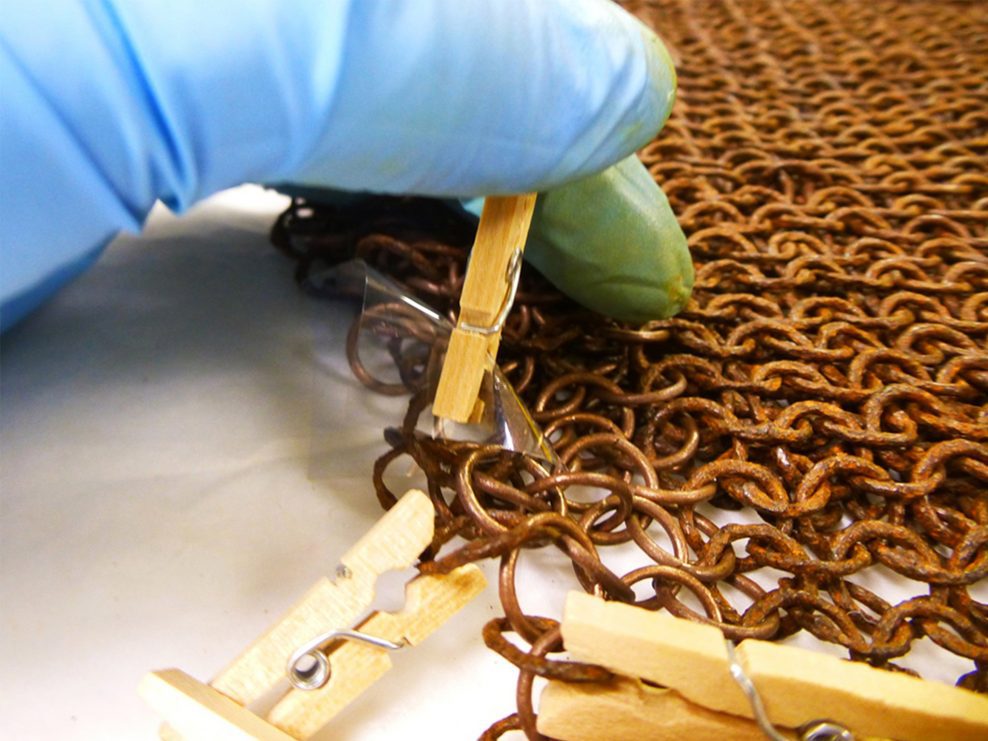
(488, 292)
(317, 631)
(702, 697)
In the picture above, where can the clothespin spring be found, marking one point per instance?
(315, 676)
(511, 276)
(815, 730)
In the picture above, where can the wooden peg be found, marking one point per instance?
(194, 710)
(689, 657)
(393, 542)
(628, 710)
(429, 602)
(485, 299)
(795, 685)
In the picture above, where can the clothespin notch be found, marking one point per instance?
(327, 657)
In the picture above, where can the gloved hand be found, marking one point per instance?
(110, 105)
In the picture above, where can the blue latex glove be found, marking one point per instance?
(110, 105)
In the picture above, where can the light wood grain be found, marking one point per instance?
(627, 710)
(394, 542)
(462, 375)
(194, 710)
(430, 602)
(796, 686)
(197, 711)
(502, 231)
(687, 656)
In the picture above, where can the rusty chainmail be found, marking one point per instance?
(827, 161)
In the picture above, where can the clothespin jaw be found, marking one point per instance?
(790, 688)
(347, 657)
(488, 292)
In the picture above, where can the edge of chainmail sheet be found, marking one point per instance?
(819, 409)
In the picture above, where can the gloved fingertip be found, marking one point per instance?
(662, 81)
(639, 93)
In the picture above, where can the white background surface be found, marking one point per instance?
(181, 461)
(184, 453)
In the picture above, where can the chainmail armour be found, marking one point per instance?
(824, 393)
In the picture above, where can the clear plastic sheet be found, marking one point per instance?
(396, 346)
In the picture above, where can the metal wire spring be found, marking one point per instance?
(830, 374)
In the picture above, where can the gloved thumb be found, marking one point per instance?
(454, 98)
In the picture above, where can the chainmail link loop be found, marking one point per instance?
(828, 380)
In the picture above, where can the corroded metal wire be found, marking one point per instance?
(829, 164)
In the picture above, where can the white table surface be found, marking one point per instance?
(183, 454)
